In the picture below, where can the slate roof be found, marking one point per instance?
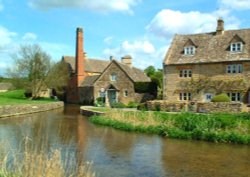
(91, 65)
(210, 48)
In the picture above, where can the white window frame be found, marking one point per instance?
(236, 47)
(234, 96)
(189, 50)
(234, 69)
(185, 73)
(185, 96)
(125, 93)
(113, 77)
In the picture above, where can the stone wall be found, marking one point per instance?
(14, 110)
(220, 107)
(201, 107)
(161, 105)
(172, 82)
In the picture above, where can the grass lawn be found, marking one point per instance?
(17, 97)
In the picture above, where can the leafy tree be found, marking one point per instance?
(32, 66)
(156, 77)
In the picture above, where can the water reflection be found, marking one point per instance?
(118, 153)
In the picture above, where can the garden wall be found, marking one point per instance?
(14, 110)
(227, 107)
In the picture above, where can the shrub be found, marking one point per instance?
(221, 98)
(100, 102)
(118, 105)
(132, 104)
(142, 107)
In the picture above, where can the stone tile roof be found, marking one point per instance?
(135, 74)
(209, 48)
(98, 66)
(91, 65)
(89, 81)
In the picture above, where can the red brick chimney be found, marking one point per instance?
(80, 57)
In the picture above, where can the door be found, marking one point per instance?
(112, 96)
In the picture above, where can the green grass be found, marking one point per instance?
(17, 97)
(100, 109)
(231, 128)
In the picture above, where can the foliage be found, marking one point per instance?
(206, 83)
(156, 77)
(142, 107)
(221, 98)
(146, 87)
(100, 102)
(58, 76)
(234, 128)
(34, 71)
(118, 105)
(33, 63)
(132, 104)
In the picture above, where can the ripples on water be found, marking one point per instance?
(117, 153)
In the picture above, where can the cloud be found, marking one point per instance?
(95, 5)
(235, 4)
(6, 36)
(169, 22)
(108, 40)
(29, 37)
(143, 53)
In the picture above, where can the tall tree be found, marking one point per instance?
(32, 65)
(156, 76)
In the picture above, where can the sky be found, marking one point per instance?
(141, 28)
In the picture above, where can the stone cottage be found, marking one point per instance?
(199, 66)
(92, 78)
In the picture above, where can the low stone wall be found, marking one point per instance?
(86, 111)
(161, 105)
(210, 107)
(220, 107)
(15, 110)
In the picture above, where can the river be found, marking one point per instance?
(117, 153)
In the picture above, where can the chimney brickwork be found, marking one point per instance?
(220, 27)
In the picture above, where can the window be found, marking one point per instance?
(234, 96)
(113, 77)
(233, 69)
(186, 73)
(236, 47)
(208, 97)
(125, 93)
(189, 50)
(185, 96)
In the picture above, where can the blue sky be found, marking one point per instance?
(141, 28)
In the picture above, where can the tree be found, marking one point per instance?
(32, 66)
(156, 76)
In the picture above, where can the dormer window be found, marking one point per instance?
(189, 50)
(236, 47)
(113, 77)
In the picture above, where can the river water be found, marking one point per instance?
(117, 153)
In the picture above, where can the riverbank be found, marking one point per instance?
(20, 109)
(230, 128)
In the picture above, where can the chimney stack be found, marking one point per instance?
(80, 71)
(127, 60)
(220, 27)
